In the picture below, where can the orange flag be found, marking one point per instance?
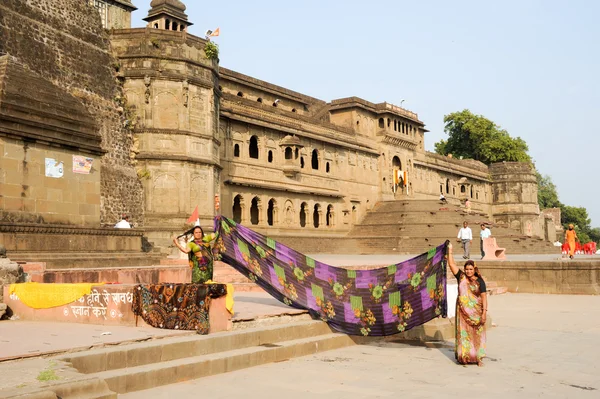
(194, 216)
(215, 33)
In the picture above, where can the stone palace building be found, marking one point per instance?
(165, 128)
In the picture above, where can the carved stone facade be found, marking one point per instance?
(174, 131)
(281, 161)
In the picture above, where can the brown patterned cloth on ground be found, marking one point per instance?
(176, 306)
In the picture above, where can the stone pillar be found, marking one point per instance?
(514, 197)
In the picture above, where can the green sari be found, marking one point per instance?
(201, 261)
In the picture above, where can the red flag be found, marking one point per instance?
(194, 216)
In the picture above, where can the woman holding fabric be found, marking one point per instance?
(471, 312)
(199, 252)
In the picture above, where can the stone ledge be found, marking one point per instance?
(6, 227)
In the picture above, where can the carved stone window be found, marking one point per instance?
(271, 209)
(315, 160)
(253, 148)
(303, 212)
(238, 203)
(236, 150)
(270, 156)
(317, 216)
(289, 153)
(255, 211)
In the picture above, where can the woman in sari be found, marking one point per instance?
(199, 252)
(570, 237)
(471, 312)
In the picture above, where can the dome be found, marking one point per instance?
(174, 3)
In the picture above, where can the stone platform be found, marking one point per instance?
(109, 305)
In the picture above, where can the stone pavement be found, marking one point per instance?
(43, 338)
(543, 346)
(363, 260)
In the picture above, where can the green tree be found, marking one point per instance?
(547, 194)
(578, 217)
(474, 136)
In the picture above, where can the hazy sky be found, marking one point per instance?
(531, 66)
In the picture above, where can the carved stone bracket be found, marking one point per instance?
(147, 83)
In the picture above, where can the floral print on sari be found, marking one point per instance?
(470, 332)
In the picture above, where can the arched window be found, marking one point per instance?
(463, 189)
(447, 186)
(240, 94)
(253, 149)
(395, 125)
(289, 154)
(155, 26)
(270, 156)
(271, 212)
(296, 152)
(441, 189)
(471, 191)
(237, 209)
(315, 160)
(168, 24)
(329, 216)
(302, 162)
(316, 215)
(303, 207)
(396, 163)
(259, 100)
(175, 26)
(476, 195)
(389, 122)
(181, 27)
(381, 123)
(327, 167)
(236, 150)
(254, 211)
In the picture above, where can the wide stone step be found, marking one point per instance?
(95, 260)
(147, 365)
(127, 275)
(158, 374)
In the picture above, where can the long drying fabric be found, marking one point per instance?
(377, 302)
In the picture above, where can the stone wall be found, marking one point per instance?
(552, 277)
(29, 196)
(64, 42)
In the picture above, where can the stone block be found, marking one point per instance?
(92, 198)
(87, 210)
(13, 204)
(12, 190)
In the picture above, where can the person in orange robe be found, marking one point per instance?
(570, 237)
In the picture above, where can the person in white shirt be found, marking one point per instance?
(124, 223)
(465, 236)
(443, 198)
(484, 233)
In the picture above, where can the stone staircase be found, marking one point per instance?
(413, 227)
(147, 365)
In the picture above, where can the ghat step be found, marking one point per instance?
(148, 365)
